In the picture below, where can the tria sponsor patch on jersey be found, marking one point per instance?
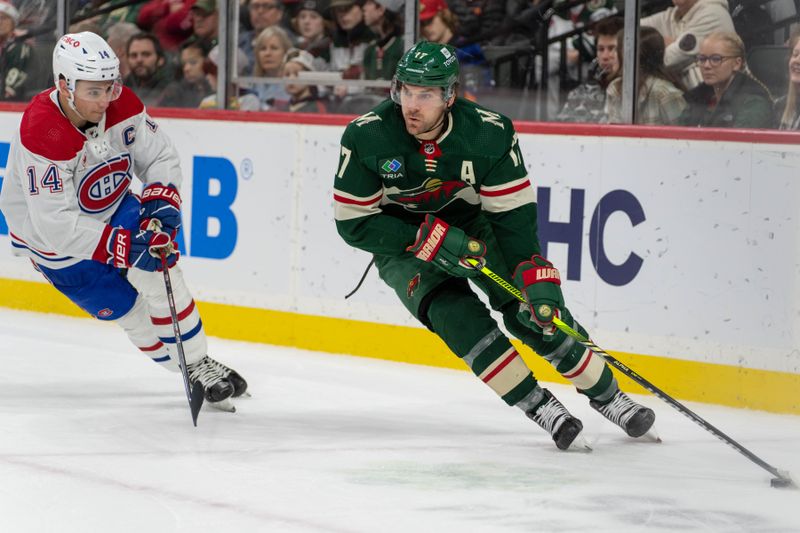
(391, 168)
(430, 197)
(105, 184)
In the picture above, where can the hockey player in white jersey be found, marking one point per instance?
(69, 209)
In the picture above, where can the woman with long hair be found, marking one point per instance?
(660, 93)
(270, 48)
(788, 105)
(730, 96)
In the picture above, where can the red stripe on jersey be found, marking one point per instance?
(46, 132)
(152, 348)
(581, 369)
(344, 200)
(163, 321)
(503, 192)
(38, 251)
(500, 367)
(126, 106)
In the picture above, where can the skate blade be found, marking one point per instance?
(650, 436)
(580, 444)
(224, 405)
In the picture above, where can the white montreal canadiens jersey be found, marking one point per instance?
(62, 186)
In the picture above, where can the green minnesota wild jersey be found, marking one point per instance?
(387, 181)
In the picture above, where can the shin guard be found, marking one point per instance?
(465, 325)
(137, 326)
(151, 286)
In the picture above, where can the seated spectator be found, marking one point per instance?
(149, 75)
(789, 106)
(270, 49)
(684, 26)
(438, 24)
(480, 20)
(205, 23)
(384, 19)
(193, 86)
(118, 36)
(169, 20)
(729, 96)
(314, 31)
(262, 15)
(243, 99)
(587, 102)
(350, 40)
(15, 56)
(303, 98)
(660, 93)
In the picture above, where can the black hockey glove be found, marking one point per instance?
(447, 247)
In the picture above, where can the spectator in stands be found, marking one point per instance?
(149, 75)
(438, 24)
(350, 40)
(193, 86)
(314, 31)
(117, 38)
(86, 17)
(169, 20)
(660, 93)
(263, 14)
(480, 20)
(243, 99)
(205, 23)
(789, 106)
(303, 98)
(384, 19)
(270, 49)
(684, 26)
(15, 56)
(587, 102)
(729, 96)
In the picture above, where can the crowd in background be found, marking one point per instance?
(693, 54)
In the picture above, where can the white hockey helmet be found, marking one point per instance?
(85, 56)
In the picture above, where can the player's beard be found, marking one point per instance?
(416, 124)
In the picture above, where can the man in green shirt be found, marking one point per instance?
(427, 180)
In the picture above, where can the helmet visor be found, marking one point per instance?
(98, 91)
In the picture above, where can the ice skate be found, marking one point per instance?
(232, 377)
(554, 418)
(209, 373)
(636, 420)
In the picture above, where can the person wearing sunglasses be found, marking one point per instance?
(729, 96)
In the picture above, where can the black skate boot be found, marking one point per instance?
(634, 419)
(554, 418)
(216, 387)
(232, 377)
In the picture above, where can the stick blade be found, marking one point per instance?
(196, 400)
(783, 481)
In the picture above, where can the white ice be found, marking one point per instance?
(95, 438)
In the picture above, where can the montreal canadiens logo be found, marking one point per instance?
(105, 184)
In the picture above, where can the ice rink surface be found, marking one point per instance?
(95, 438)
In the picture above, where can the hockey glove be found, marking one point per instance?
(140, 249)
(540, 284)
(447, 247)
(161, 202)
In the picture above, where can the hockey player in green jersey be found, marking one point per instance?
(426, 180)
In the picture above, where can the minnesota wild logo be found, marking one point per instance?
(431, 196)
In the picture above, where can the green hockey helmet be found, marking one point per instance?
(427, 64)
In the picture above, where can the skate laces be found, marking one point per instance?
(206, 371)
(551, 415)
(222, 369)
(620, 409)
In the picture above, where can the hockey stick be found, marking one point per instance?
(195, 394)
(781, 479)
